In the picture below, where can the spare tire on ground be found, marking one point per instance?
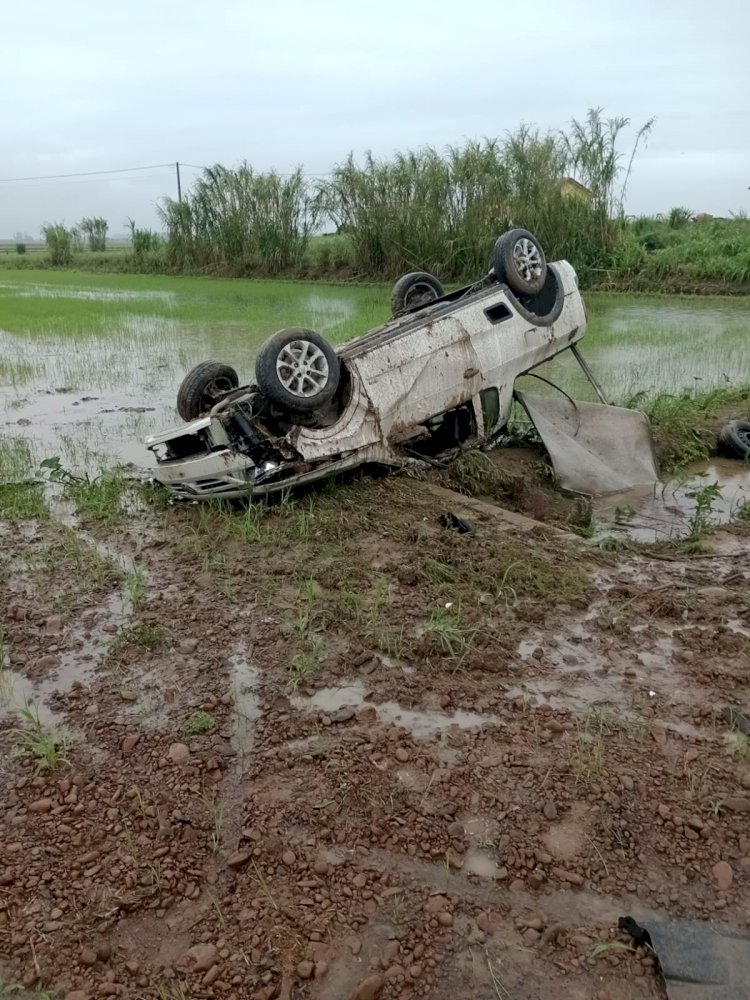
(298, 370)
(734, 439)
(203, 387)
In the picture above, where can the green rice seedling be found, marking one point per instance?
(304, 664)
(145, 636)
(135, 587)
(200, 722)
(16, 460)
(445, 624)
(38, 743)
(22, 502)
(702, 518)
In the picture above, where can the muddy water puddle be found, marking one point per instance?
(711, 494)
(423, 725)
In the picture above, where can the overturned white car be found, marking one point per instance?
(438, 376)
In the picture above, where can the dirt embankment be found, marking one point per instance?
(340, 750)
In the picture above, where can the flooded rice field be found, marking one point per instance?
(90, 364)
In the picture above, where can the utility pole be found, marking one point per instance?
(179, 186)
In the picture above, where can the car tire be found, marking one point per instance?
(203, 387)
(734, 439)
(413, 291)
(519, 261)
(298, 370)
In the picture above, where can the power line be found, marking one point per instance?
(90, 173)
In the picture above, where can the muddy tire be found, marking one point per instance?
(734, 439)
(203, 387)
(298, 370)
(413, 291)
(518, 260)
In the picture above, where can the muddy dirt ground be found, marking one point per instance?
(340, 750)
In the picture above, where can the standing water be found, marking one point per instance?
(90, 364)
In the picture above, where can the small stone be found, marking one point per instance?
(367, 715)
(342, 715)
(48, 662)
(401, 754)
(239, 858)
(305, 970)
(627, 782)
(530, 937)
(550, 810)
(354, 944)
(723, 874)
(88, 956)
(696, 823)
(199, 958)
(133, 967)
(369, 989)
(415, 971)
(104, 951)
(395, 973)
(321, 867)
(736, 804)
(130, 741)
(178, 753)
(288, 857)
(321, 968)
(445, 919)
(211, 976)
(692, 834)
(188, 645)
(54, 625)
(41, 806)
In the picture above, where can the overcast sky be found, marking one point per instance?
(88, 86)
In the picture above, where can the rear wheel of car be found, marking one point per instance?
(519, 261)
(298, 370)
(734, 439)
(414, 291)
(203, 387)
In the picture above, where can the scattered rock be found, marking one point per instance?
(369, 989)
(53, 625)
(342, 715)
(305, 970)
(550, 810)
(723, 874)
(239, 858)
(445, 919)
(88, 956)
(402, 754)
(199, 958)
(530, 937)
(289, 857)
(130, 741)
(736, 804)
(41, 806)
(627, 782)
(178, 753)
(48, 662)
(354, 944)
(321, 968)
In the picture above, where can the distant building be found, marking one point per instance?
(572, 188)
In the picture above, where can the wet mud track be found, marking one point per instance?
(341, 751)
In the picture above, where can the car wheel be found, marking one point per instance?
(734, 439)
(414, 291)
(203, 387)
(519, 261)
(298, 370)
